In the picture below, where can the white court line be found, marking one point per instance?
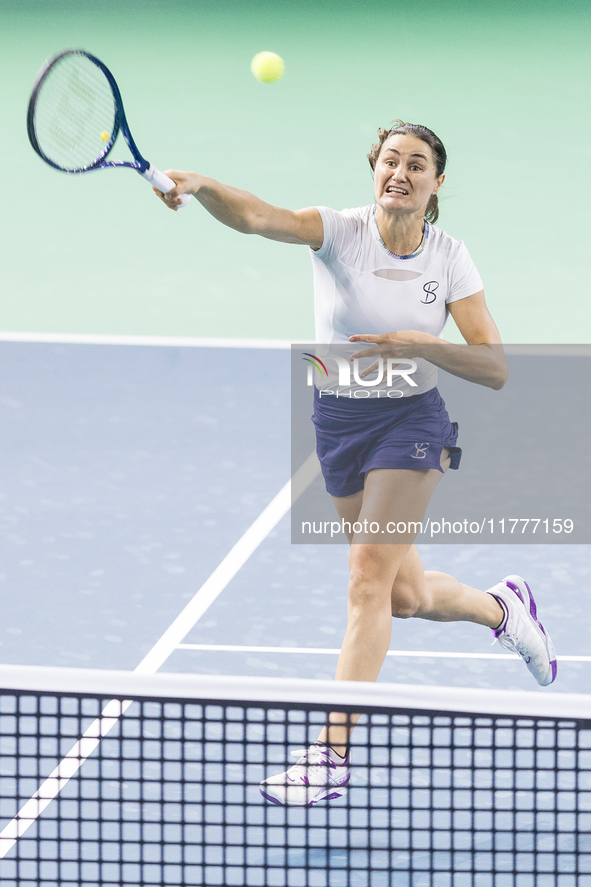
(162, 649)
(227, 569)
(222, 342)
(168, 341)
(334, 651)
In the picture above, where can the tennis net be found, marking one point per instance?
(449, 787)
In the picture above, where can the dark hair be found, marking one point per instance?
(426, 135)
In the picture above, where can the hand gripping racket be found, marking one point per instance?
(76, 113)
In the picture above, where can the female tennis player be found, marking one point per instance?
(387, 278)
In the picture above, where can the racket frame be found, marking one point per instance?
(120, 122)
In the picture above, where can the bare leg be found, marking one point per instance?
(431, 595)
(412, 592)
(440, 597)
(389, 494)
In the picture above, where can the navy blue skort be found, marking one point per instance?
(354, 436)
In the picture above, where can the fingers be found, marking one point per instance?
(177, 183)
(369, 353)
(363, 338)
(370, 369)
(171, 199)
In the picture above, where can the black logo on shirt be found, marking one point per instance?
(430, 292)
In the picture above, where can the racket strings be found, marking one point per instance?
(75, 113)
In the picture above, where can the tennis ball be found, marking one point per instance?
(267, 67)
(105, 136)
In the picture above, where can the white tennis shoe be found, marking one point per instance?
(320, 774)
(521, 631)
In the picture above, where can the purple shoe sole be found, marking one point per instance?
(270, 798)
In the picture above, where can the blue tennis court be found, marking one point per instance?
(146, 528)
(133, 472)
(148, 474)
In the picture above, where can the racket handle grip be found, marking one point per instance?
(163, 183)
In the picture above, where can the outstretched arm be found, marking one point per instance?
(244, 212)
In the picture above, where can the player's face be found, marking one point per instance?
(405, 176)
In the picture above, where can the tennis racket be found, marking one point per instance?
(75, 115)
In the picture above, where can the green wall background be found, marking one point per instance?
(506, 85)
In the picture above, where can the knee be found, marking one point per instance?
(407, 600)
(370, 581)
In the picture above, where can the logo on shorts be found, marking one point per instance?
(430, 290)
(421, 451)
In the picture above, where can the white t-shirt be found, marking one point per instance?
(361, 287)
